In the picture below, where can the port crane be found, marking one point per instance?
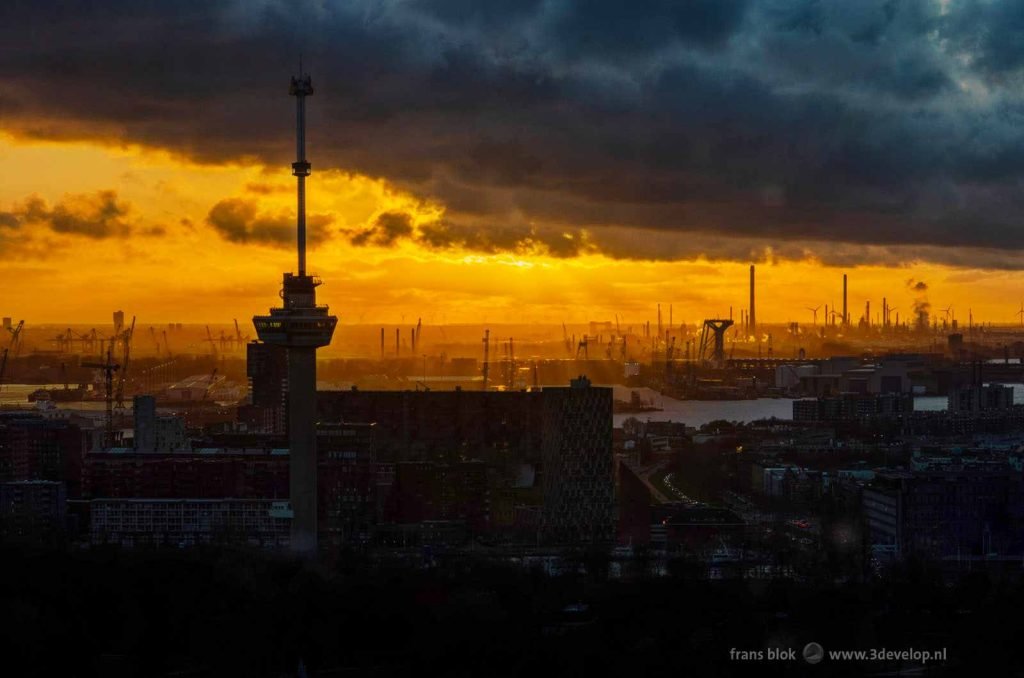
(211, 341)
(582, 348)
(239, 337)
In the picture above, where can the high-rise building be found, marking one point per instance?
(118, 321)
(302, 327)
(267, 370)
(155, 432)
(577, 464)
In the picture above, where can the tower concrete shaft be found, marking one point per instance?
(302, 326)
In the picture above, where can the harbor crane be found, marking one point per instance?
(712, 341)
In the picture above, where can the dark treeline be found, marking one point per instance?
(231, 613)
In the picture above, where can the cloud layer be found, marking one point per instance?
(94, 215)
(890, 129)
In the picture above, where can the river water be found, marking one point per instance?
(700, 412)
(689, 412)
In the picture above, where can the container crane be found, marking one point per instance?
(239, 337)
(212, 342)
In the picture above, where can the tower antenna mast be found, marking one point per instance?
(301, 87)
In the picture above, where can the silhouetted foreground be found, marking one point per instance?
(229, 613)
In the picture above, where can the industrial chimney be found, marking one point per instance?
(846, 318)
(752, 314)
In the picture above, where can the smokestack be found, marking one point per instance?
(752, 313)
(867, 313)
(846, 318)
(885, 312)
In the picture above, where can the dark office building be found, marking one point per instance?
(32, 509)
(495, 426)
(577, 461)
(946, 514)
(267, 371)
(441, 491)
(36, 448)
(346, 484)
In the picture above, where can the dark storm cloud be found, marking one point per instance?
(94, 215)
(240, 220)
(888, 128)
(391, 228)
(385, 231)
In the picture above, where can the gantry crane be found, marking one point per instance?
(582, 348)
(712, 340)
(239, 337)
(213, 344)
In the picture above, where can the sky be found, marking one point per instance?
(514, 160)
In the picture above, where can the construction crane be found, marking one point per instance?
(487, 351)
(669, 350)
(511, 365)
(15, 345)
(126, 346)
(108, 367)
(156, 341)
(213, 375)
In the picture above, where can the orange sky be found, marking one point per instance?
(174, 267)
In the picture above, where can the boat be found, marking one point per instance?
(59, 395)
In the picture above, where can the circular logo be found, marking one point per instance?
(813, 653)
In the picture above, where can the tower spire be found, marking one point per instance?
(301, 327)
(301, 87)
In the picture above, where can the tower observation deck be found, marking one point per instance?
(302, 326)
